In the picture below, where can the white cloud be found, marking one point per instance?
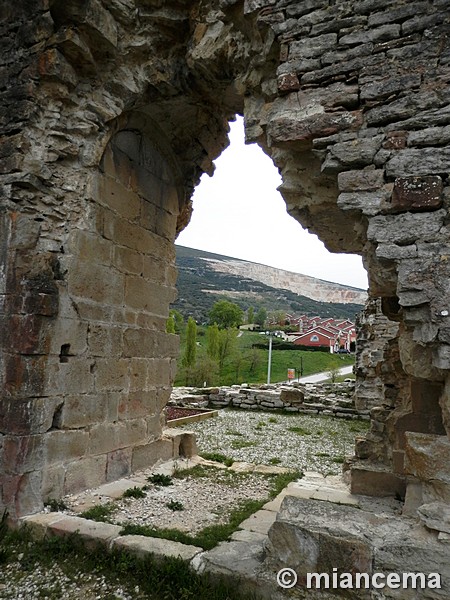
(239, 213)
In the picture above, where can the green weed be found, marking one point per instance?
(299, 430)
(238, 444)
(175, 505)
(56, 505)
(160, 479)
(100, 513)
(217, 457)
(134, 492)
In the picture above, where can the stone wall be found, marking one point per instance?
(328, 399)
(111, 111)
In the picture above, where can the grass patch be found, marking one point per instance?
(274, 461)
(238, 444)
(299, 430)
(272, 420)
(101, 513)
(338, 459)
(160, 479)
(134, 492)
(194, 472)
(237, 433)
(217, 457)
(323, 454)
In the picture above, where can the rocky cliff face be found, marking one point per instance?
(316, 289)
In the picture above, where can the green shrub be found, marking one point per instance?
(160, 479)
(175, 505)
(99, 513)
(134, 492)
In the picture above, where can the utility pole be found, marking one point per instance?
(270, 356)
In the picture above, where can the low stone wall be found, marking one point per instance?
(334, 399)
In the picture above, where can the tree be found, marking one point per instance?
(261, 317)
(178, 319)
(227, 342)
(170, 325)
(212, 342)
(333, 374)
(191, 344)
(254, 360)
(250, 315)
(206, 371)
(226, 314)
(277, 317)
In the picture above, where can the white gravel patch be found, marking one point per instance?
(318, 444)
(205, 500)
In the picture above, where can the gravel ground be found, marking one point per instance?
(301, 442)
(295, 441)
(205, 500)
(19, 581)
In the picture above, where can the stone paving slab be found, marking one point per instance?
(260, 522)
(244, 535)
(92, 532)
(141, 546)
(233, 558)
(39, 523)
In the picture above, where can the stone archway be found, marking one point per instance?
(111, 112)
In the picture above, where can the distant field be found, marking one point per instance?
(248, 365)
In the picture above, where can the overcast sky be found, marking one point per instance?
(239, 213)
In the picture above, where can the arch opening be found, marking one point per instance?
(362, 166)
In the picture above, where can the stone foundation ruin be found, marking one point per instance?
(110, 112)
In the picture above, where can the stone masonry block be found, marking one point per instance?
(372, 482)
(72, 332)
(138, 404)
(147, 295)
(146, 455)
(81, 410)
(85, 473)
(96, 282)
(63, 446)
(22, 454)
(140, 343)
(118, 464)
(22, 493)
(128, 261)
(114, 194)
(90, 247)
(105, 340)
(53, 482)
(107, 437)
(361, 181)
(427, 456)
(111, 374)
(417, 193)
(138, 375)
(72, 377)
(159, 371)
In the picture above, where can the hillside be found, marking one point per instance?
(203, 278)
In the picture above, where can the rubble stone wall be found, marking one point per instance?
(330, 399)
(111, 110)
